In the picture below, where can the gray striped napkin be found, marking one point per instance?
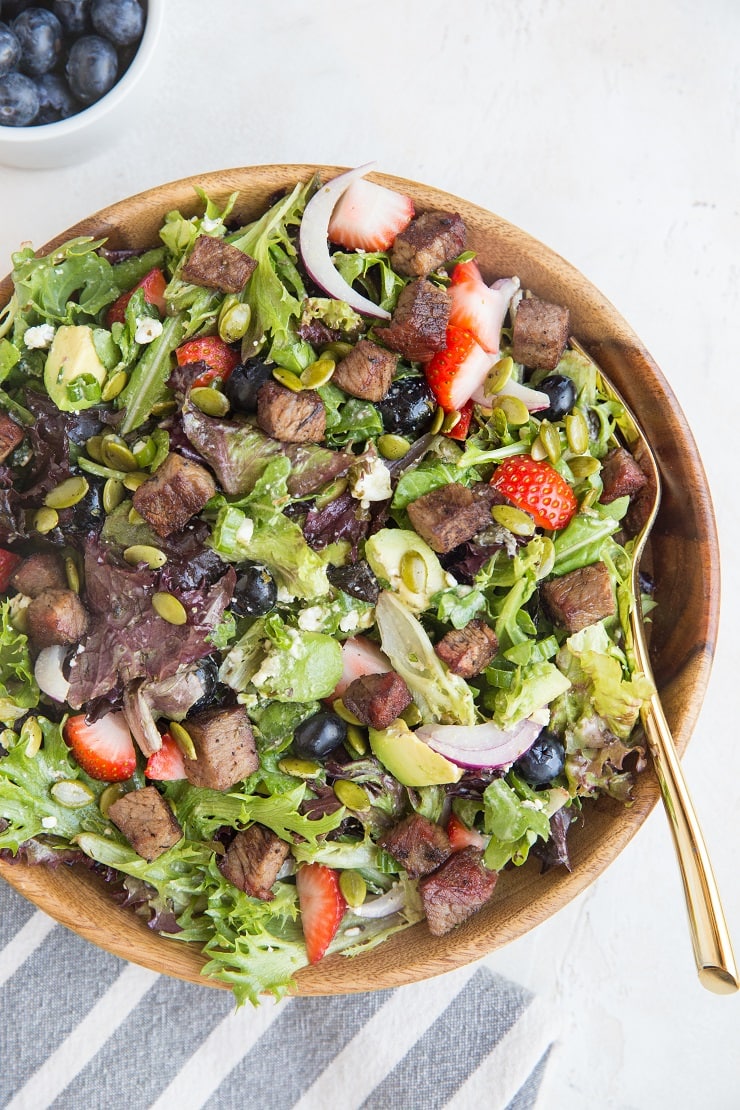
(82, 1028)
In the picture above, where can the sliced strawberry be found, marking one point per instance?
(103, 748)
(475, 307)
(455, 373)
(8, 562)
(218, 356)
(322, 907)
(460, 836)
(154, 284)
(167, 764)
(461, 429)
(368, 217)
(538, 489)
(360, 656)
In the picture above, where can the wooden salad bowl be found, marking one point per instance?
(685, 565)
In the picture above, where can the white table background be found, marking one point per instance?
(610, 132)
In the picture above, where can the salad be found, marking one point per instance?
(315, 569)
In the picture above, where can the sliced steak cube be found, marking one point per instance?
(540, 333)
(468, 651)
(429, 241)
(215, 264)
(579, 598)
(177, 490)
(11, 435)
(449, 516)
(253, 859)
(456, 891)
(56, 617)
(147, 822)
(39, 572)
(366, 372)
(418, 844)
(418, 327)
(225, 748)
(377, 699)
(621, 475)
(291, 417)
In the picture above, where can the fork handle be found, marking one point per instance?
(715, 960)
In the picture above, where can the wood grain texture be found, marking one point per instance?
(685, 558)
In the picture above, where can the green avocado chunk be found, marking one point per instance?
(73, 374)
(409, 759)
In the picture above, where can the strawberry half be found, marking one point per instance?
(457, 372)
(219, 357)
(103, 748)
(167, 764)
(8, 562)
(154, 284)
(368, 217)
(460, 836)
(461, 429)
(475, 307)
(538, 489)
(322, 907)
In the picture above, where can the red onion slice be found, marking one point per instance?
(480, 745)
(534, 399)
(391, 902)
(314, 244)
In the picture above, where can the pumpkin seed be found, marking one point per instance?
(413, 571)
(183, 739)
(8, 739)
(144, 451)
(318, 373)
(113, 494)
(288, 379)
(135, 479)
(411, 715)
(352, 886)
(72, 571)
(301, 768)
(538, 450)
(438, 421)
(393, 447)
(583, 466)
(92, 446)
(164, 408)
(110, 795)
(118, 454)
(498, 422)
(589, 498)
(576, 432)
(515, 411)
(72, 794)
(114, 386)
(233, 320)
(352, 796)
(45, 520)
(450, 421)
(135, 517)
(341, 711)
(32, 736)
(518, 522)
(144, 553)
(357, 740)
(98, 470)
(498, 376)
(550, 438)
(337, 350)
(210, 401)
(67, 493)
(169, 608)
(332, 491)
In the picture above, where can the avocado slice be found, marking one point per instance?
(408, 564)
(409, 759)
(73, 374)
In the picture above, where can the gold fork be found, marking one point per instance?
(710, 936)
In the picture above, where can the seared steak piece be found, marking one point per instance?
(11, 435)
(39, 572)
(215, 264)
(377, 699)
(225, 748)
(418, 327)
(291, 417)
(468, 651)
(453, 893)
(177, 490)
(429, 241)
(147, 822)
(449, 515)
(366, 372)
(621, 475)
(253, 859)
(418, 844)
(540, 333)
(56, 617)
(580, 598)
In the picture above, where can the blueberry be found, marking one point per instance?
(562, 393)
(121, 21)
(55, 99)
(318, 735)
(244, 382)
(207, 672)
(543, 762)
(87, 516)
(40, 34)
(92, 68)
(19, 100)
(74, 15)
(408, 407)
(255, 591)
(10, 50)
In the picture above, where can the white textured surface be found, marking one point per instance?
(610, 132)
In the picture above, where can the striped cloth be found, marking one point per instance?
(82, 1028)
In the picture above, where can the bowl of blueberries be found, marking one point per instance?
(68, 70)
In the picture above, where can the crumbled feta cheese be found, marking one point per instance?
(270, 668)
(245, 531)
(452, 581)
(372, 482)
(312, 619)
(355, 930)
(541, 716)
(40, 337)
(49, 822)
(208, 224)
(349, 621)
(147, 329)
(284, 595)
(533, 804)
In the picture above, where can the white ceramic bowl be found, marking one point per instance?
(84, 134)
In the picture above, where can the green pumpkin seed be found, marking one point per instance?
(32, 736)
(288, 379)
(135, 517)
(589, 499)
(337, 350)
(113, 494)
(352, 796)
(8, 739)
(576, 432)
(164, 408)
(515, 411)
(117, 454)
(341, 711)
(413, 571)
(93, 446)
(550, 438)
(144, 451)
(67, 493)
(183, 739)
(210, 401)
(518, 523)
(301, 768)
(451, 420)
(357, 740)
(318, 373)
(498, 376)
(144, 553)
(393, 447)
(169, 608)
(352, 886)
(114, 386)
(436, 424)
(583, 466)
(110, 795)
(538, 450)
(45, 520)
(135, 479)
(498, 423)
(332, 491)
(98, 470)
(72, 571)
(72, 794)
(234, 320)
(411, 715)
